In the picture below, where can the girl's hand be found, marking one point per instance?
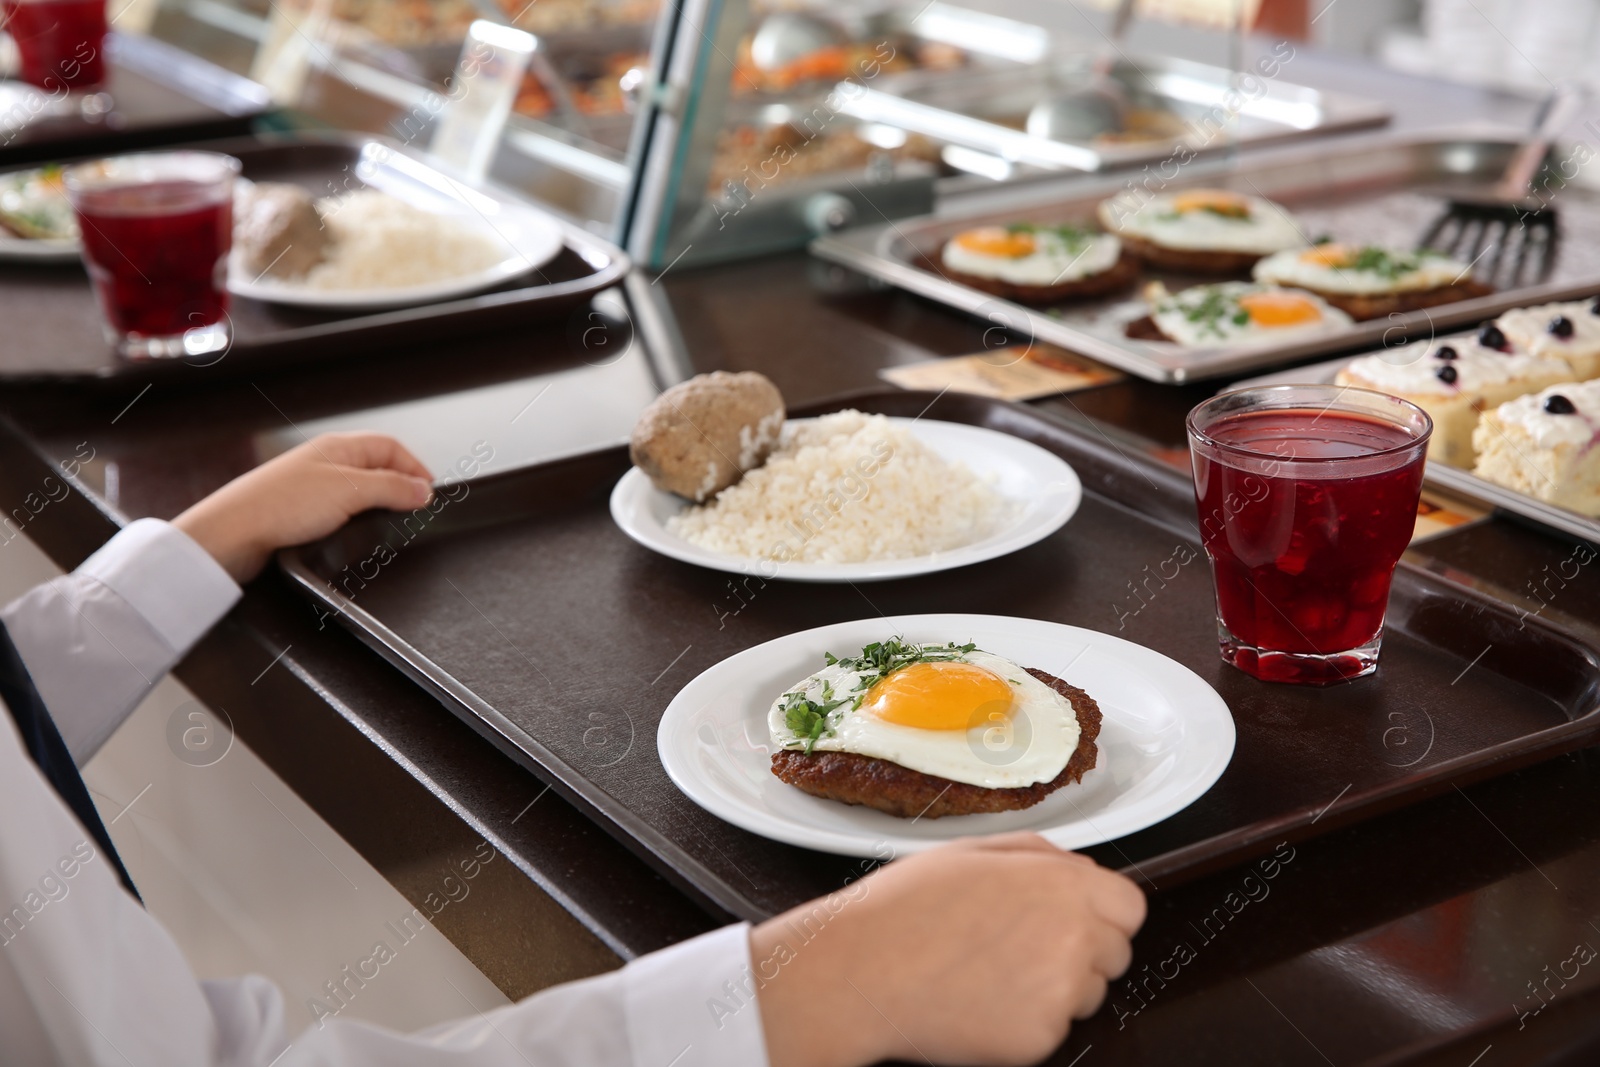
(306, 493)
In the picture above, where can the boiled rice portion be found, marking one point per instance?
(381, 242)
(847, 488)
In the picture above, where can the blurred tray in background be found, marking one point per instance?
(53, 324)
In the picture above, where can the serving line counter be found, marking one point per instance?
(1429, 935)
(1402, 932)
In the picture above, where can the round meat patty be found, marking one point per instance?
(702, 435)
(851, 778)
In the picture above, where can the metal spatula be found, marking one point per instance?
(1507, 230)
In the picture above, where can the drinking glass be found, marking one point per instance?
(157, 229)
(1307, 497)
(61, 42)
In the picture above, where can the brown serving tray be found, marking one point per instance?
(160, 94)
(531, 616)
(53, 327)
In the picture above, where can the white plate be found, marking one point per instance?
(23, 250)
(1046, 486)
(1165, 739)
(531, 240)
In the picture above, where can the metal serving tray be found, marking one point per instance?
(535, 620)
(988, 110)
(1368, 190)
(53, 326)
(1455, 479)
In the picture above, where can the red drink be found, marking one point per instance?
(154, 253)
(62, 42)
(1305, 508)
(157, 230)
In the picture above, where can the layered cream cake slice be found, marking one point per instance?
(1543, 444)
(1570, 330)
(1454, 380)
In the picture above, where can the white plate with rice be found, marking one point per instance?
(387, 253)
(857, 498)
(1165, 738)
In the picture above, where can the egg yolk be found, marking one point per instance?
(1328, 255)
(1279, 309)
(998, 241)
(1216, 201)
(940, 696)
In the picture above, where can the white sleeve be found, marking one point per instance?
(88, 978)
(95, 641)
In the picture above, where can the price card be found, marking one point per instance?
(1016, 372)
(478, 101)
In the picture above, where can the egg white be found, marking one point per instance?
(1052, 262)
(1268, 228)
(1171, 316)
(1287, 268)
(1042, 736)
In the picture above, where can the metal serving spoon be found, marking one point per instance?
(785, 36)
(1098, 106)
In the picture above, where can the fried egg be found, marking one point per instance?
(1229, 312)
(1028, 254)
(1206, 220)
(969, 716)
(1360, 270)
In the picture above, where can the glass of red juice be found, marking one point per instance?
(1307, 497)
(157, 229)
(61, 42)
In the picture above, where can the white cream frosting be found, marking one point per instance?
(1292, 268)
(1268, 228)
(1053, 261)
(1549, 431)
(1529, 329)
(1413, 370)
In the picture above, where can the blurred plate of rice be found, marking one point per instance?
(388, 253)
(850, 497)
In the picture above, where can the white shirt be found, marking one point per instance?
(87, 977)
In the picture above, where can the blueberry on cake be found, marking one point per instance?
(1454, 380)
(1570, 329)
(1543, 445)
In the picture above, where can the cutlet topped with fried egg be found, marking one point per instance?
(1203, 231)
(932, 730)
(1233, 313)
(1371, 281)
(1038, 263)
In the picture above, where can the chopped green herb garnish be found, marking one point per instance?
(1383, 262)
(807, 718)
(1215, 304)
(1073, 238)
(882, 658)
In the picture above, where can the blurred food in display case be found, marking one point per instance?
(750, 156)
(562, 16)
(408, 23)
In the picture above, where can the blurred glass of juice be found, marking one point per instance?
(157, 229)
(61, 42)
